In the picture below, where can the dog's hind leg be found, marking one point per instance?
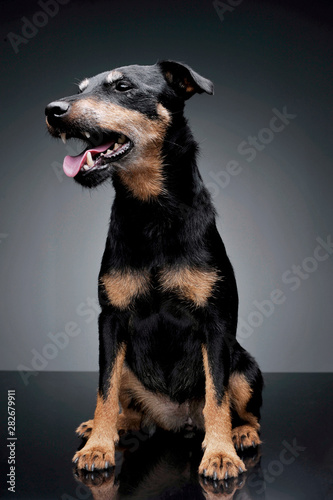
(128, 420)
(245, 388)
(84, 429)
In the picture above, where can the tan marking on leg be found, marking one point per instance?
(240, 394)
(192, 284)
(219, 457)
(100, 447)
(122, 287)
(141, 171)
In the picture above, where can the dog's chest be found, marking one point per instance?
(183, 283)
(164, 351)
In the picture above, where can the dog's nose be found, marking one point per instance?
(56, 110)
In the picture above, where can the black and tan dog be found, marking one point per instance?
(167, 290)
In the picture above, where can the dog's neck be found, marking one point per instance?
(169, 227)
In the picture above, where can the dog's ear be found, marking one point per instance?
(184, 81)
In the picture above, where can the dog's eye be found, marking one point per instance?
(122, 86)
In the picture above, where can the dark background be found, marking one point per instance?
(261, 56)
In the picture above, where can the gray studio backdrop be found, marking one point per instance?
(266, 157)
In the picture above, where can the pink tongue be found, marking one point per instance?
(72, 164)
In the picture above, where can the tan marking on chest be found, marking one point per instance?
(188, 283)
(142, 170)
(122, 287)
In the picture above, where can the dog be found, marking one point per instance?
(167, 291)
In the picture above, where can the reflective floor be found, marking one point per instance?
(295, 461)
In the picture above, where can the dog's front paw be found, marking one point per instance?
(95, 455)
(245, 436)
(84, 430)
(220, 465)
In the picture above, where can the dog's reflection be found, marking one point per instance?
(165, 466)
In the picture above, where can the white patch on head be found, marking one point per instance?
(84, 84)
(113, 76)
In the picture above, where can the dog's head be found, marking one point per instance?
(122, 116)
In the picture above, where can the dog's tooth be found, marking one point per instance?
(63, 137)
(86, 167)
(121, 139)
(116, 145)
(108, 151)
(89, 159)
(87, 134)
